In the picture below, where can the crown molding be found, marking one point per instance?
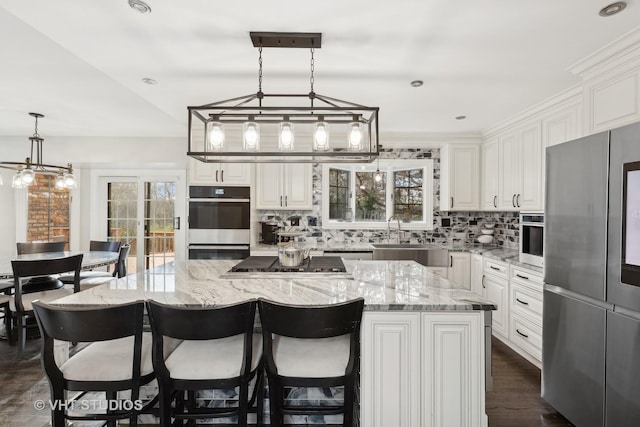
(566, 98)
(622, 50)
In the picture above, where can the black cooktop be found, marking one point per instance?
(316, 264)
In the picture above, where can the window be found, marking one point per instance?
(48, 211)
(353, 198)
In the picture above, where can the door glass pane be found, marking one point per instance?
(370, 197)
(159, 208)
(122, 217)
(407, 195)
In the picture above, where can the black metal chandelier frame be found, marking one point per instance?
(321, 108)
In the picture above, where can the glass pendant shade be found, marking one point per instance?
(60, 182)
(321, 137)
(377, 176)
(355, 137)
(17, 181)
(28, 175)
(287, 136)
(69, 180)
(215, 136)
(251, 136)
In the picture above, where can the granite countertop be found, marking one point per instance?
(385, 286)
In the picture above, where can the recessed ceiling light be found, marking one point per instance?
(613, 8)
(417, 83)
(149, 81)
(461, 117)
(139, 6)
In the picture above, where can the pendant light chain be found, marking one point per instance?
(311, 79)
(35, 133)
(260, 70)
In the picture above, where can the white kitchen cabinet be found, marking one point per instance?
(422, 369)
(282, 186)
(495, 288)
(520, 169)
(453, 377)
(390, 372)
(459, 269)
(476, 274)
(490, 175)
(201, 173)
(460, 177)
(525, 319)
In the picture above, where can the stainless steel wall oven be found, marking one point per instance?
(219, 222)
(532, 238)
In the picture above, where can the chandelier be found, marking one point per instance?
(26, 171)
(263, 128)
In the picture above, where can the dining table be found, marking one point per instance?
(90, 260)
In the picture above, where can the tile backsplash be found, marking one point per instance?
(448, 227)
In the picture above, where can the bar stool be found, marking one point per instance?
(39, 247)
(219, 351)
(103, 277)
(118, 358)
(311, 346)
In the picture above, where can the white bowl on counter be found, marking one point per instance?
(485, 239)
(489, 225)
(485, 231)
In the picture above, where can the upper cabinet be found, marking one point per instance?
(201, 173)
(490, 175)
(284, 186)
(459, 177)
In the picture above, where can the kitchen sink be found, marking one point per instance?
(427, 255)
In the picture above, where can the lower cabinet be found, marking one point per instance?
(495, 288)
(475, 278)
(459, 269)
(422, 369)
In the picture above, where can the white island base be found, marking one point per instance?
(423, 369)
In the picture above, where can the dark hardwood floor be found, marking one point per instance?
(514, 401)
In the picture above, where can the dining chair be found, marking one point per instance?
(47, 289)
(120, 270)
(94, 245)
(118, 359)
(218, 350)
(39, 247)
(311, 346)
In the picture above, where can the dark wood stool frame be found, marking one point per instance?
(73, 324)
(39, 247)
(311, 322)
(205, 323)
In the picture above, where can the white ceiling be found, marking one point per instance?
(81, 62)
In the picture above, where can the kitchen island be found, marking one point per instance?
(423, 340)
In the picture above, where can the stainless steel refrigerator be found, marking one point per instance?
(591, 320)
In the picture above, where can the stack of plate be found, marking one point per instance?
(487, 234)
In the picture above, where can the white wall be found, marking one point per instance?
(86, 153)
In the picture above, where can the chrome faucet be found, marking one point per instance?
(392, 217)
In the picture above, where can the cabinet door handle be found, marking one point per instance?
(280, 200)
(495, 199)
(494, 268)
(452, 202)
(513, 201)
(222, 176)
(522, 277)
(518, 200)
(482, 281)
(217, 176)
(522, 302)
(450, 260)
(524, 335)
(286, 200)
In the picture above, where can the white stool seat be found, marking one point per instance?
(206, 359)
(311, 358)
(108, 360)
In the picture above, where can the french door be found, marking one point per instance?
(147, 213)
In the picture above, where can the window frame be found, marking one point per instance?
(389, 166)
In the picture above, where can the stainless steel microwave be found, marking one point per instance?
(532, 238)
